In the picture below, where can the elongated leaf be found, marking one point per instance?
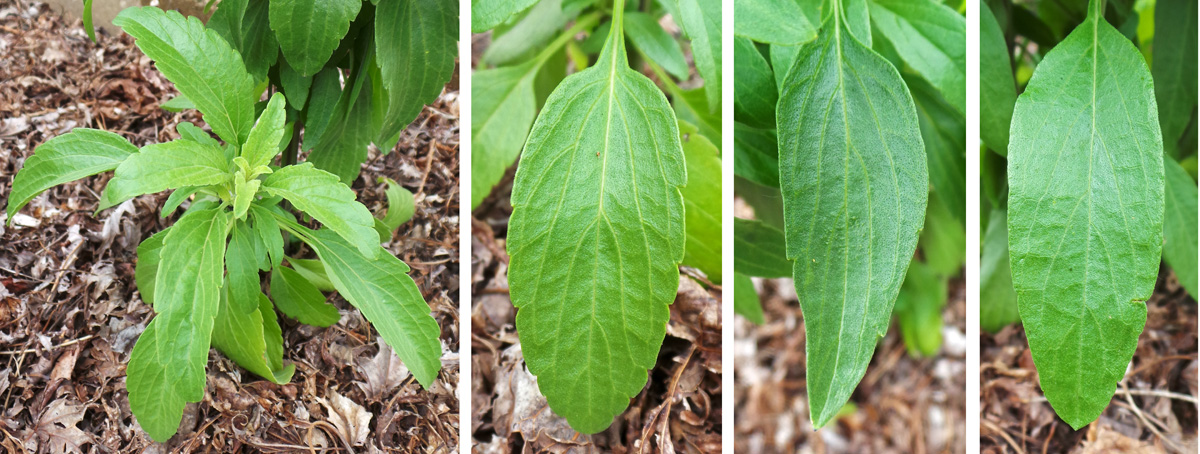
(997, 89)
(166, 368)
(702, 203)
(502, 107)
(919, 310)
(1174, 67)
(69, 157)
(596, 236)
(997, 299)
(932, 38)
(313, 271)
(400, 204)
(267, 230)
(1179, 227)
(782, 58)
(200, 63)
(87, 20)
(245, 26)
(380, 287)
(650, 39)
(295, 85)
(263, 143)
(148, 259)
(754, 87)
(701, 21)
(756, 155)
(944, 132)
(244, 283)
(527, 36)
(487, 14)
(163, 166)
(943, 241)
(415, 44)
(1085, 213)
(309, 31)
(692, 106)
(253, 340)
(319, 194)
(854, 182)
(772, 21)
(759, 250)
(299, 299)
(745, 299)
(342, 145)
(858, 18)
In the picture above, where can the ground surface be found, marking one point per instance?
(70, 313)
(1154, 409)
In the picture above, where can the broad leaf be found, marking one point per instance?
(313, 271)
(659, 46)
(148, 258)
(596, 237)
(416, 45)
(745, 299)
(997, 89)
(702, 203)
(997, 300)
(944, 132)
(758, 250)
(754, 87)
(932, 38)
(295, 86)
(263, 143)
(1085, 213)
(319, 194)
(692, 106)
(529, 34)
(487, 14)
(380, 287)
(309, 31)
(1179, 227)
(854, 182)
(298, 298)
(163, 166)
(756, 155)
(254, 340)
(772, 21)
(200, 63)
(245, 26)
(244, 283)
(1174, 67)
(166, 368)
(69, 157)
(701, 21)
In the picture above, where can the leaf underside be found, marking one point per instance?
(1085, 214)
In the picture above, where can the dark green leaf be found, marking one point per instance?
(997, 89)
(701, 21)
(1174, 67)
(309, 31)
(997, 299)
(1179, 226)
(416, 46)
(944, 132)
(756, 155)
(298, 298)
(754, 87)
(759, 250)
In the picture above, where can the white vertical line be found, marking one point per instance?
(972, 274)
(464, 386)
(727, 317)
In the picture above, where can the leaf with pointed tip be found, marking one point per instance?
(655, 43)
(252, 339)
(1179, 227)
(161, 166)
(755, 95)
(69, 157)
(166, 368)
(416, 42)
(263, 144)
(1085, 213)
(756, 155)
(944, 132)
(932, 39)
(319, 194)
(529, 34)
(1174, 67)
(309, 31)
(997, 88)
(772, 21)
(503, 107)
(299, 299)
(244, 283)
(267, 230)
(148, 259)
(200, 63)
(596, 236)
(400, 205)
(701, 21)
(745, 299)
(854, 182)
(245, 26)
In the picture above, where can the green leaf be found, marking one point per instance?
(529, 34)
(1085, 213)
(245, 26)
(342, 147)
(932, 38)
(243, 194)
(1174, 67)
(295, 86)
(944, 132)
(997, 299)
(854, 182)
(1179, 227)
(754, 87)
(487, 14)
(858, 19)
(943, 241)
(380, 287)
(267, 230)
(166, 368)
(148, 259)
(702, 203)
(401, 205)
(692, 106)
(319, 194)
(596, 236)
(502, 107)
(701, 21)
(919, 310)
(416, 45)
(745, 299)
(200, 63)
(69, 157)
(309, 31)
(253, 340)
(244, 283)
(997, 89)
(756, 155)
(163, 166)
(87, 20)
(263, 143)
(772, 21)
(298, 298)
(650, 39)
(766, 201)
(177, 104)
(313, 271)
(323, 105)
(193, 133)
(782, 58)
(758, 250)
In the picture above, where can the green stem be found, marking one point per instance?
(581, 24)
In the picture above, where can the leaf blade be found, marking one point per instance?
(322, 196)
(69, 157)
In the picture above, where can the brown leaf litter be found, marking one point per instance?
(70, 312)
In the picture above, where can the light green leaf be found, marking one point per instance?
(754, 87)
(1085, 213)
(380, 287)
(858, 19)
(200, 63)
(319, 194)
(502, 106)
(919, 310)
(745, 299)
(416, 45)
(268, 233)
(313, 271)
(166, 368)
(253, 340)
(309, 31)
(702, 203)
(529, 34)
(298, 298)
(69, 157)
(756, 155)
(997, 299)
(148, 259)
(177, 104)
(191, 132)
(943, 241)
(1179, 227)
(650, 39)
(401, 205)
(263, 143)
(997, 89)
(244, 283)
(692, 106)
(782, 58)
(163, 166)
(854, 182)
(701, 21)
(1174, 67)
(758, 250)
(596, 236)
(243, 193)
(944, 132)
(772, 21)
(932, 38)
(487, 14)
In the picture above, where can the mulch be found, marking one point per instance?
(70, 312)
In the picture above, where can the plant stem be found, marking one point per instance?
(292, 152)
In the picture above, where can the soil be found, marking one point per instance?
(70, 312)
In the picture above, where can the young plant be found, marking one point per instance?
(615, 189)
(848, 113)
(202, 274)
(1091, 205)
